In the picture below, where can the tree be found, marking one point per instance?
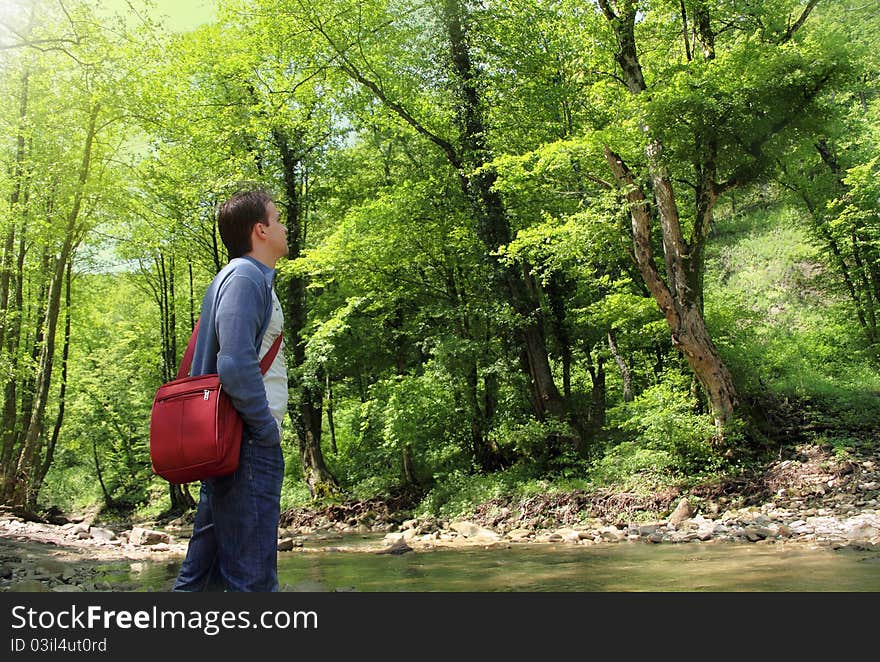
(392, 36)
(64, 138)
(740, 78)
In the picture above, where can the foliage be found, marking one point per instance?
(664, 436)
(374, 137)
(786, 327)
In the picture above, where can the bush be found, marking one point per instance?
(666, 435)
(457, 494)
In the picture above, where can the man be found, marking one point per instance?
(234, 544)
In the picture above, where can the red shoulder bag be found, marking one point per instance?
(195, 432)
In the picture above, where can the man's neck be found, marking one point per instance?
(268, 260)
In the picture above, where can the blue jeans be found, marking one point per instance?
(234, 545)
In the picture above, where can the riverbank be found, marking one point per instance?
(813, 496)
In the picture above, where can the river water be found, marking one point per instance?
(621, 567)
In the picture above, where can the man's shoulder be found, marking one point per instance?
(242, 267)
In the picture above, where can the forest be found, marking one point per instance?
(533, 244)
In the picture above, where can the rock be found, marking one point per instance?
(52, 567)
(519, 534)
(655, 537)
(67, 588)
(865, 546)
(473, 532)
(465, 528)
(285, 544)
(486, 535)
(139, 536)
(612, 533)
(756, 533)
(398, 547)
(102, 534)
(569, 535)
(682, 512)
(863, 531)
(647, 529)
(28, 586)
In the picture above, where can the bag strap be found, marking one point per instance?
(270, 355)
(186, 361)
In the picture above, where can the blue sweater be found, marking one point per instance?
(236, 310)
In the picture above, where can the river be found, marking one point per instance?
(621, 567)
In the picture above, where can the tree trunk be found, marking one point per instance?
(192, 298)
(625, 372)
(680, 294)
(181, 499)
(330, 424)
(10, 317)
(59, 420)
(515, 282)
(598, 394)
(482, 451)
(14, 198)
(409, 472)
(556, 295)
(680, 304)
(108, 499)
(305, 407)
(167, 310)
(23, 488)
(15, 413)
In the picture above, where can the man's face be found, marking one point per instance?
(275, 231)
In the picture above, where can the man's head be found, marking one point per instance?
(249, 224)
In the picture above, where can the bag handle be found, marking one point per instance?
(186, 361)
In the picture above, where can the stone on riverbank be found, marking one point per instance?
(102, 534)
(682, 512)
(473, 532)
(139, 536)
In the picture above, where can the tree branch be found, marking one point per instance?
(354, 72)
(641, 227)
(794, 27)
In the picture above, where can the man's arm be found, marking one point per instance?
(241, 307)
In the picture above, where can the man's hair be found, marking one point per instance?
(237, 217)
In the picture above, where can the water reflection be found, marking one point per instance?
(691, 567)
